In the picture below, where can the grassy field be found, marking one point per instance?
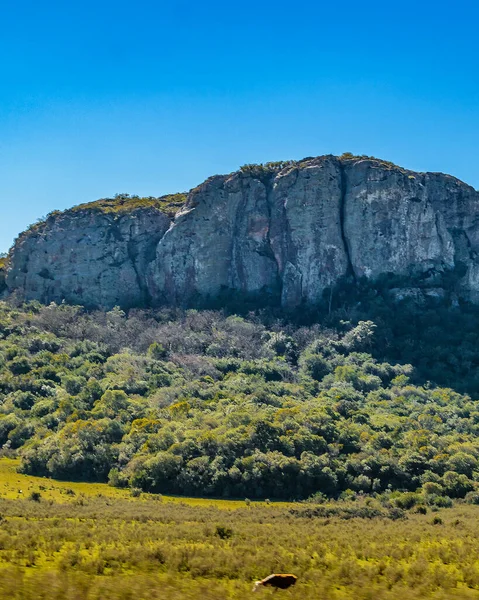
(16, 486)
(81, 541)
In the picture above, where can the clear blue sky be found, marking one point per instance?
(152, 97)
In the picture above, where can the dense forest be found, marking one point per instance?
(378, 399)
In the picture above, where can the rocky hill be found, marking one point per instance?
(283, 232)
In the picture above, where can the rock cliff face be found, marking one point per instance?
(86, 257)
(3, 285)
(283, 233)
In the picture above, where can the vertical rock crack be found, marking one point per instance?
(342, 220)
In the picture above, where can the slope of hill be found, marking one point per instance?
(201, 403)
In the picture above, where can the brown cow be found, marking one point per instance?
(280, 581)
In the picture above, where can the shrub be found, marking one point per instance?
(432, 488)
(223, 532)
(439, 501)
(20, 365)
(117, 478)
(472, 498)
(407, 500)
(73, 385)
(157, 351)
(421, 509)
(23, 400)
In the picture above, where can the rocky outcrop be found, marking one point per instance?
(283, 233)
(257, 232)
(422, 226)
(88, 257)
(3, 283)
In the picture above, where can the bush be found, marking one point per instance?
(439, 501)
(421, 509)
(223, 532)
(117, 478)
(23, 400)
(407, 500)
(431, 488)
(157, 351)
(20, 366)
(74, 385)
(472, 498)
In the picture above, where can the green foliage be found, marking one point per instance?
(157, 351)
(235, 407)
(20, 365)
(262, 171)
(125, 203)
(407, 500)
(224, 532)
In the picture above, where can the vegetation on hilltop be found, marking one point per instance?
(170, 204)
(202, 403)
(121, 204)
(262, 170)
(124, 203)
(118, 205)
(386, 163)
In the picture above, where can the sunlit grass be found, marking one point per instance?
(81, 541)
(15, 485)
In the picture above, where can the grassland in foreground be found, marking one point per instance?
(89, 541)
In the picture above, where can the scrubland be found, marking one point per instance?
(75, 541)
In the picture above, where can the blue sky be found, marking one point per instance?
(153, 97)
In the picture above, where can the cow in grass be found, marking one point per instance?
(278, 581)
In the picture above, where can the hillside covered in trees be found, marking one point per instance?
(206, 403)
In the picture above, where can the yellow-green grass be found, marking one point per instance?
(111, 546)
(15, 486)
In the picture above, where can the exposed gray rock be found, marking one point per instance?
(306, 229)
(419, 296)
(3, 283)
(218, 242)
(283, 233)
(410, 224)
(87, 257)
(275, 233)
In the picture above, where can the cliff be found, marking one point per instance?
(282, 233)
(3, 268)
